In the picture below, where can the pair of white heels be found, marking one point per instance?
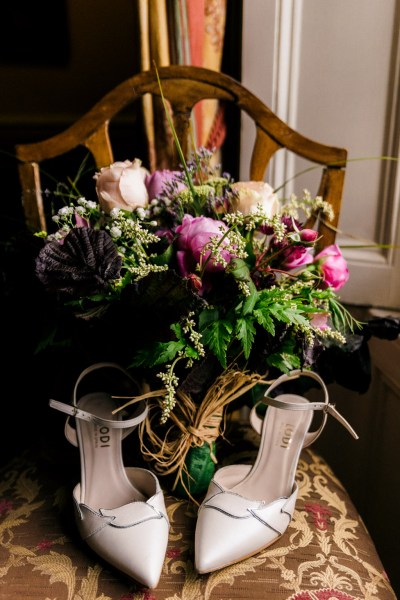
(120, 512)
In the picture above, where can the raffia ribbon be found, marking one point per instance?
(191, 425)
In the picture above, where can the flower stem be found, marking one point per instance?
(179, 147)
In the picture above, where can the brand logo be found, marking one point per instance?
(104, 437)
(287, 436)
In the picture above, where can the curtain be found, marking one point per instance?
(185, 32)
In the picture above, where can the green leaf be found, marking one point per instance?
(49, 341)
(217, 336)
(291, 316)
(249, 303)
(240, 271)
(207, 316)
(341, 317)
(191, 352)
(162, 352)
(165, 352)
(264, 319)
(245, 332)
(284, 361)
(165, 294)
(164, 258)
(296, 317)
(251, 257)
(278, 312)
(178, 331)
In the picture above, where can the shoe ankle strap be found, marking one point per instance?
(97, 367)
(128, 425)
(325, 406)
(73, 411)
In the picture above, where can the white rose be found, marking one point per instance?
(121, 185)
(253, 193)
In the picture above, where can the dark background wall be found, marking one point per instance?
(52, 70)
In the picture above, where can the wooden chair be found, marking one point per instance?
(327, 548)
(183, 87)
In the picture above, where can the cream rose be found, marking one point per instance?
(252, 193)
(121, 185)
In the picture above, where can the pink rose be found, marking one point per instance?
(252, 193)
(333, 266)
(319, 320)
(193, 235)
(296, 256)
(121, 185)
(156, 182)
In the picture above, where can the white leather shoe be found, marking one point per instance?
(120, 512)
(246, 507)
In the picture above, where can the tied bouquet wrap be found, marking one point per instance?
(214, 287)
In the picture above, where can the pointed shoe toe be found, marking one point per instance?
(213, 549)
(139, 552)
(231, 528)
(247, 508)
(132, 538)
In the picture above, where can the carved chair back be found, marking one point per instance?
(183, 87)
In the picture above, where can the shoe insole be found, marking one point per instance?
(104, 483)
(273, 473)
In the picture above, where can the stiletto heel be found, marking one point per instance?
(120, 512)
(246, 507)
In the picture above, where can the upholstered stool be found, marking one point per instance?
(326, 553)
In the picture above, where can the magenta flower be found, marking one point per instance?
(296, 256)
(157, 182)
(333, 267)
(193, 236)
(308, 235)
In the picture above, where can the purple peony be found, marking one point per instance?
(193, 236)
(158, 182)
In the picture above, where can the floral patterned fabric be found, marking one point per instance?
(326, 553)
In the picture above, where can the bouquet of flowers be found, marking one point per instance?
(214, 286)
